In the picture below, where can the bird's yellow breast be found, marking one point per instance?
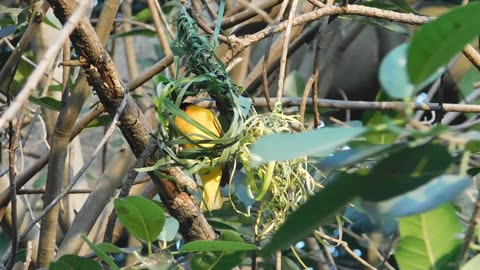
(204, 117)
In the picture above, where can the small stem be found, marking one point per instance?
(278, 260)
(266, 180)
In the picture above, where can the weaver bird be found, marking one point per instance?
(211, 178)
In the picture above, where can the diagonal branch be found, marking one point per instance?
(103, 76)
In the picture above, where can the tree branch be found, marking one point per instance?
(374, 105)
(239, 44)
(103, 76)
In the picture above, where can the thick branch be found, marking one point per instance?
(103, 76)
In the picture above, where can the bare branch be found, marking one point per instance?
(103, 76)
(375, 105)
(240, 44)
(43, 64)
(24, 41)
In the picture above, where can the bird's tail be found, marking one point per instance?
(211, 198)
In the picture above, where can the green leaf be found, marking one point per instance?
(178, 51)
(216, 245)
(101, 121)
(218, 24)
(436, 192)
(23, 72)
(467, 82)
(472, 264)
(11, 12)
(55, 88)
(135, 32)
(319, 142)
(288, 263)
(220, 259)
(405, 170)
(294, 84)
(394, 78)
(384, 24)
(395, 5)
(389, 135)
(352, 156)
(403, 6)
(47, 102)
(202, 261)
(110, 248)
(143, 15)
(429, 240)
(473, 171)
(230, 259)
(245, 105)
(53, 21)
(141, 216)
(440, 40)
(73, 262)
(314, 212)
(169, 230)
(8, 30)
(100, 253)
(41, 180)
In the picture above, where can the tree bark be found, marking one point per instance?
(103, 76)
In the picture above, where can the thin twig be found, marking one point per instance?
(316, 112)
(37, 74)
(472, 55)
(306, 93)
(470, 231)
(37, 166)
(28, 61)
(82, 123)
(313, 247)
(374, 105)
(278, 260)
(346, 247)
(329, 256)
(148, 74)
(13, 143)
(132, 173)
(467, 124)
(388, 251)
(431, 92)
(28, 256)
(128, 41)
(268, 50)
(238, 17)
(32, 28)
(211, 11)
(129, 21)
(320, 40)
(474, 95)
(162, 38)
(240, 44)
(283, 61)
(73, 191)
(257, 10)
(345, 97)
(205, 27)
(453, 140)
(164, 20)
(80, 173)
(66, 71)
(254, 79)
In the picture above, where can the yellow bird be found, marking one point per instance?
(211, 198)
